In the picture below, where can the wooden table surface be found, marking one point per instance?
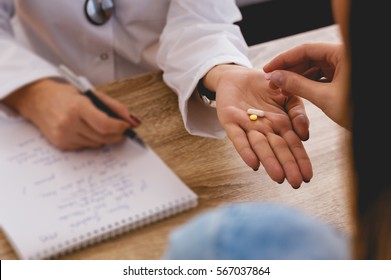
(216, 173)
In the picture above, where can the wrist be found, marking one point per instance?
(208, 85)
(212, 78)
(207, 96)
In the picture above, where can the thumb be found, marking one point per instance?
(292, 83)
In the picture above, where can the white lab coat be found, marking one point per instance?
(184, 38)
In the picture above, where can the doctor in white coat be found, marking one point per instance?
(190, 41)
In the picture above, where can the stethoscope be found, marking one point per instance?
(98, 12)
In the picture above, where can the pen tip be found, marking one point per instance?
(141, 142)
(132, 135)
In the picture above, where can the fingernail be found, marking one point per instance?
(135, 118)
(307, 181)
(255, 169)
(277, 78)
(267, 76)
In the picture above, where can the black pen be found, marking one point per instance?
(85, 88)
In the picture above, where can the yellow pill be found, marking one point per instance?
(253, 117)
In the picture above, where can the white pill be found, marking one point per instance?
(257, 112)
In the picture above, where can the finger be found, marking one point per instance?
(78, 142)
(66, 135)
(118, 108)
(300, 122)
(87, 132)
(313, 73)
(283, 127)
(286, 159)
(100, 122)
(297, 149)
(288, 59)
(296, 84)
(82, 142)
(239, 139)
(266, 155)
(82, 135)
(302, 54)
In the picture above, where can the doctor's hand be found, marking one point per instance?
(315, 72)
(274, 140)
(67, 118)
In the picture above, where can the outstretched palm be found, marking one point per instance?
(274, 140)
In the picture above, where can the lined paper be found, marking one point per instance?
(53, 201)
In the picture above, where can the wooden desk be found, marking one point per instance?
(214, 170)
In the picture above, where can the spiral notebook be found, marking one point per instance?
(53, 202)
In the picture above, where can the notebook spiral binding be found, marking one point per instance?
(117, 228)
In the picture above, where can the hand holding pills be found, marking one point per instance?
(273, 140)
